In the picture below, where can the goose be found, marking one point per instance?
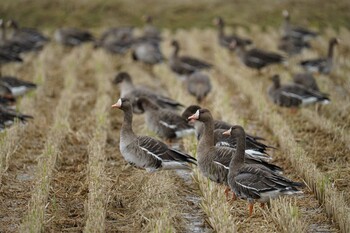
(307, 80)
(29, 38)
(254, 147)
(296, 32)
(165, 123)
(72, 36)
(150, 32)
(147, 152)
(226, 40)
(294, 95)
(8, 117)
(255, 183)
(6, 97)
(292, 46)
(7, 45)
(116, 40)
(147, 51)
(256, 58)
(185, 65)
(198, 85)
(321, 65)
(18, 87)
(210, 157)
(132, 92)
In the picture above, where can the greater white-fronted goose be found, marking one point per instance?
(226, 40)
(185, 65)
(294, 31)
(147, 152)
(8, 117)
(255, 183)
(147, 51)
(18, 87)
(150, 31)
(294, 95)
(165, 123)
(29, 38)
(292, 45)
(210, 157)
(116, 40)
(256, 58)
(307, 80)
(132, 92)
(72, 36)
(198, 85)
(321, 65)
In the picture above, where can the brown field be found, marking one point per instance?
(63, 172)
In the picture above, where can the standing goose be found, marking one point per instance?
(132, 92)
(18, 87)
(256, 58)
(321, 65)
(294, 95)
(72, 36)
(185, 65)
(147, 152)
(147, 51)
(198, 85)
(255, 183)
(210, 158)
(151, 32)
(294, 32)
(226, 40)
(307, 80)
(165, 123)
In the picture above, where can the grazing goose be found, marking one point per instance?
(254, 147)
(256, 58)
(296, 32)
(150, 32)
(226, 40)
(198, 85)
(255, 183)
(72, 36)
(18, 87)
(292, 46)
(147, 152)
(8, 117)
(306, 80)
(147, 52)
(294, 95)
(165, 123)
(129, 90)
(185, 65)
(210, 157)
(321, 65)
(28, 38)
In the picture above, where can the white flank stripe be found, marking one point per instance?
(185, 132)
(18, 91)
(167, 125)
(220, 164)
(150, 153)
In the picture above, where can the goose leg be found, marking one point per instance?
(227, 190)
(251, 206)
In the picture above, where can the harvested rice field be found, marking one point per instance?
(63, 171)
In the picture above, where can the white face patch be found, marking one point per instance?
(196, 115)
(119, 103)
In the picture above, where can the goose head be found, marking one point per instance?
(235, 131)
(218, 21)
(123, 104)
(202, 115)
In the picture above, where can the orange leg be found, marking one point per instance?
(227, 190)
(233, 196)
(251, 206)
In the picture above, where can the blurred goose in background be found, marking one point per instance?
(306, 80)
(132, 92)
(17, 86)
(210, 157)
(6, 97)
(294, 95)
(226, 40)
(8, 117)
(252, 182)
(185, 65)
(72, 36)
(295, 32)
(198, 85)
(165, 123)
(321, 65)
(292, 46)
(256, 58)
(29, 39)
(147, 152)
(116, 40)
(151, 32)
(147, 51)
(254, 147)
